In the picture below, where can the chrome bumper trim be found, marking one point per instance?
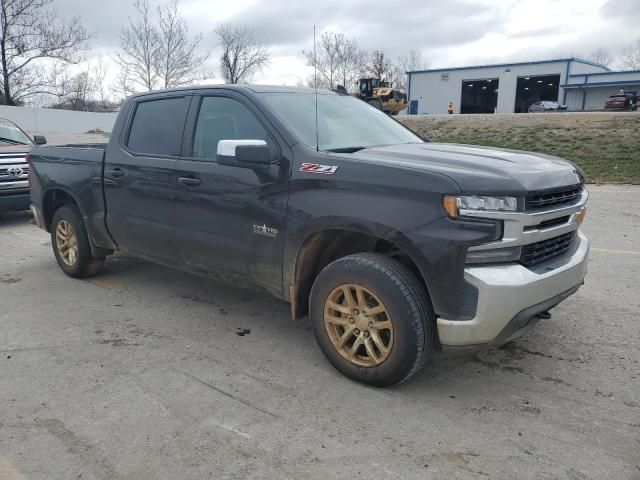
(506, 290)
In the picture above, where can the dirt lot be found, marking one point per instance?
(140, 374)
(605, 144)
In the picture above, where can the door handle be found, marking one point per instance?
(189, 181)
(116, 172)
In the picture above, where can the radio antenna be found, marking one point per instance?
(315, 84)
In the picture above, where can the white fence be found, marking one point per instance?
(45, 120)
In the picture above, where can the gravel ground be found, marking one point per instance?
(139, 373)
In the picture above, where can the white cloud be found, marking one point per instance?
(449, 32)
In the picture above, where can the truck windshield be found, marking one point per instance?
(345, 123)
(11, 133)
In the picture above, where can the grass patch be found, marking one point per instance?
(605, 145)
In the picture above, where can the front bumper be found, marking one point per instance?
(511, 296)
(14, 202)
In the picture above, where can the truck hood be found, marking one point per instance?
(6, 148)
(479, 169)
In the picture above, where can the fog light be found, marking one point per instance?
(496, 255)
(580, 215)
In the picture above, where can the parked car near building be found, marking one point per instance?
(14, 169)
(546, 106)
(393, 246)
(622, 101)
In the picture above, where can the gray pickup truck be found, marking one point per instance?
(395, 247)
(14, 169)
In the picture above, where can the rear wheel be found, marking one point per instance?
(372, 319)
(71, 245)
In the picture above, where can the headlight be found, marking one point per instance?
(453, 204)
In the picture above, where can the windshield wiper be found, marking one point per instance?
(10, 140)
(345, 149)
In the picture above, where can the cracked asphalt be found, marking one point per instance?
(147, 373)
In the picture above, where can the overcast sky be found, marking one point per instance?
(448, 32)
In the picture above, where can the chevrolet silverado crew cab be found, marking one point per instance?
(395, 247)
(14, 185)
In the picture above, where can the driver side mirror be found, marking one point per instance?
(39, 139)
(244, 153)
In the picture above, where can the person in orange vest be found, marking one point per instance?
(450, 108)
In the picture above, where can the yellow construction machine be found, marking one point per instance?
(379, 94)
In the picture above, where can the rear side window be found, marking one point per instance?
(157, 126)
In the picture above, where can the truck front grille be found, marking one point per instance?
(539, 252)
(7, 175)
(553, 198)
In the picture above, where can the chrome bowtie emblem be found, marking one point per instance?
(15, 171)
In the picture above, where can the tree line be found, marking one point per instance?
(44, 56)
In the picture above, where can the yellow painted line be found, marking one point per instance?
(609, 250)
(107, 284)
(8, 470)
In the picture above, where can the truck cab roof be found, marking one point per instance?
(240, 88)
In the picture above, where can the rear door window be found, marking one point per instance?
(157, 126)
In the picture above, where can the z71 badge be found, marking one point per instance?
(317, 168)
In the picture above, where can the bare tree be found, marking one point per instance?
(380, 66)
(351, 63)
(81, 91)
(325, 59)
(412, 62)
(601, 56)
(122, 86)
(179, 60)
(75, 91)
(242, 54)
(631, 56)
(100, 75)
(338, 59)
(157, 50)
(408, 63)
(29, 33)
(140, 45)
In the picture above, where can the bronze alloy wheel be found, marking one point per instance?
(358, 325)
(67, 243)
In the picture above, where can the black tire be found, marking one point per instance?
(85, 265)
(375, 104)
(407, 302)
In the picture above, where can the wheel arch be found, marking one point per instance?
(54, 198)
(320, 246)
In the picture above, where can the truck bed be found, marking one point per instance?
(76, 170)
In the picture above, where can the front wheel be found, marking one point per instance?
(372, 319)
(71, 245)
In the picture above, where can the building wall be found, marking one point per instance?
(578, 67)
(45, 120)
(594, 97)
(599, 77)
(434, 94)
(593, 88)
